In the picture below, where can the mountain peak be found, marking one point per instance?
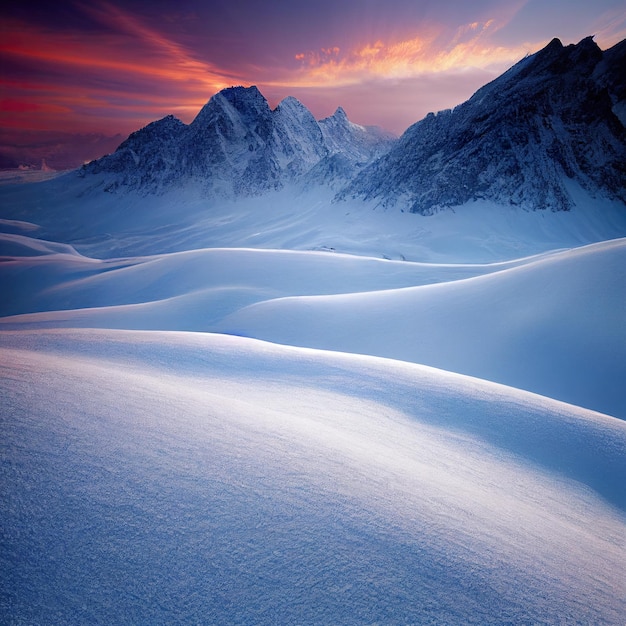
(232, 103)
(244, 97)
(238, 92)
(555, 44)
(292, 104)
(587, 42)
(525, 139)
(585, 51)
(558, 59)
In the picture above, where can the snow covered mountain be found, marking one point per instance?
(350, 146)
(552, 123)
(550, 126)
(237, 145)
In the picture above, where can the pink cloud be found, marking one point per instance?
(426, 53)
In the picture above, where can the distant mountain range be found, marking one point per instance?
(551, 125)
(238, 146)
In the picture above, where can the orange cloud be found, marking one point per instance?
(318, 58)
(429, 53)
(108, 53)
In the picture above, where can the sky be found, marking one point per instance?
(104, 68)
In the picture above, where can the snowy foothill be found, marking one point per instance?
(233, 416)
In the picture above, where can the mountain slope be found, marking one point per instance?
(528, 139)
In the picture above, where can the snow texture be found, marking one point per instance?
(187, 477)
(157, 472)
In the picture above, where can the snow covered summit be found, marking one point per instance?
(550, 125)
(237, 145)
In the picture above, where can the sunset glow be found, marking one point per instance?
(112, 67)
(407, 59)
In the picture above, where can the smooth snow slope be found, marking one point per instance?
(197, 478)
(553, 324)
(191, 477)
(45, 276)
(109, 225)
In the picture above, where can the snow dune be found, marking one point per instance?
(555, 326)
(552, 324)
(159, 477)
(57, 277)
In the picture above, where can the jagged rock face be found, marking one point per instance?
(549, 119)
(228, 144)
(235, 146)
(610, 73)
(146, 156)
(350, 148)
(360, 143)
(297, 139)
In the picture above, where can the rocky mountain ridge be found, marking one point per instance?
(552, 122)
(237, 145)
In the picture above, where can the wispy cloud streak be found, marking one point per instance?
(424, 54)
(121, 66)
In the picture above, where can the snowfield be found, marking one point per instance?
(109, 225)
(160, 477)
(244, 415)
(552, 324)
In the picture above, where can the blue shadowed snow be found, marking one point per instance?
(178, 477)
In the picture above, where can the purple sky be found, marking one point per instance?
(111, 67)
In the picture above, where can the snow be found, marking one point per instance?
(181, 477)
(107, 225)
(227, 412)
(552, 324)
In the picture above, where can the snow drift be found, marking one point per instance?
(177, 477)
(552, 324)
